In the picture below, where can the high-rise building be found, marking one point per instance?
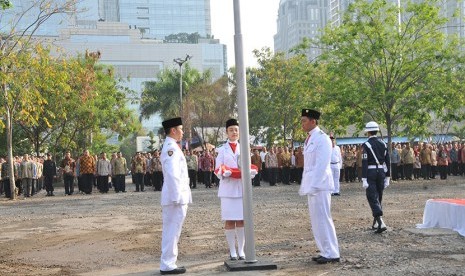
(298, 19)
(129, 34)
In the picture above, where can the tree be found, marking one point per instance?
(162, 96)
(278, 88)
(400, 76)
(5, 4)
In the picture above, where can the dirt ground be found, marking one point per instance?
(119, 234)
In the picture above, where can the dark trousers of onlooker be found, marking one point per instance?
(286, 175)
(400, 170)
(279, 175)
(148, 179)
(87, 182)
(374, 192)
(264, 172)
(48, 181)
(34, 187)
(349, 174)
(157, 180)
(104, 185)
(417, 173)
(215, 180)
(359, 174)
(394, 172)
(6, 187)
(139, 181)
(200, 176)
(207, 179)
(27, 186)
(426, 170)
(69, 184)
(293, 177)
(455, 168)
(434, 171)
(341, 174)
(256, 179)
(408, 170)
(462, 168)
(449, 169)
(272, 176)
(443, 171)
(300, 171)
(119, 183)
(79, 183)
(192, 178)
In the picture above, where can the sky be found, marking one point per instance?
(258, 25)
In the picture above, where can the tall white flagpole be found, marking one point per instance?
(250, 256)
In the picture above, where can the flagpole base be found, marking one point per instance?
(249, 266)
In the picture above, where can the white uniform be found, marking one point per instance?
(317, 184)
(175, 196)
(230, 190)
(336, 165)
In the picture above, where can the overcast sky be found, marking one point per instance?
(258, 19)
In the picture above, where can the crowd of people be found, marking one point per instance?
(279, 164)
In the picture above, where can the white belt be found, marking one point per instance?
(375, 166)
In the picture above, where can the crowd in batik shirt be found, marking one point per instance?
(278, 165)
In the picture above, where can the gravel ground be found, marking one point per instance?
(119, 234)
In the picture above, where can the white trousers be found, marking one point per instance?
(319, 207)
(336, 174)
(173, 219)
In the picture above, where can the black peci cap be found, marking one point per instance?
(174, 122)
(310, 113)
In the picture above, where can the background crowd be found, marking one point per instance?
(276, 165)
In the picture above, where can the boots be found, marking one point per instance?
(48, 193)
(381, 226)
(375, 224)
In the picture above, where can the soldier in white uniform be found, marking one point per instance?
(175, 196)
(317, 185)
(230, 191)
(336, 165)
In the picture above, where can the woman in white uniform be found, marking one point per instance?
(230, 191)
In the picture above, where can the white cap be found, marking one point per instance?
(371, 126)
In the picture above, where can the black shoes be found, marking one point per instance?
(232, 258)
(241, 258)
(324, 260)
(381, 226)
(178, 270)
(335, 194)
(316, 258)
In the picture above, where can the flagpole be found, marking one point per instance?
(250, 255)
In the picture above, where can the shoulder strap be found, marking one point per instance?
(372, 152)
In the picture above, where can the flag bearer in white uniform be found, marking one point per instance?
(175, 196)
(336, 165)
(317, 185)
(230, 191)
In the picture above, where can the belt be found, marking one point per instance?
(374, 166)
(334, 162)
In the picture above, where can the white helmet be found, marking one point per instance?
(371, 126)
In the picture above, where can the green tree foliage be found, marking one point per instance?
(277, 91)
(192, 38)
(400, 76)
(20, 101)
(5, 4)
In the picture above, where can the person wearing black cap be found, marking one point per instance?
(317, 185)
(230, 191)
(175, 195)
(336, 165)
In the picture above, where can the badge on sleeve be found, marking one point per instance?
(170, 152)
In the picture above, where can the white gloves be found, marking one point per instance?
(253, 173)
(386, 182)
(227, 173)
(364, 183)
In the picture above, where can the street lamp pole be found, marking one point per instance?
(180, 62)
